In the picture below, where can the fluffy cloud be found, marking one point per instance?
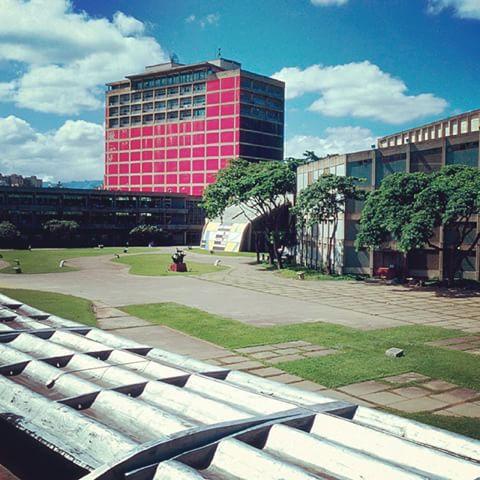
(336, 140)
(462, 8)
(326, 3)
(360, 90)
(69, 56)
(210, 19)
(73, 152)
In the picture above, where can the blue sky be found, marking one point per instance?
(355, 69)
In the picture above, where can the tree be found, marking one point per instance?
(259, 190)
(146, 233)
(61, 231)
(408, 208)
(9, 234)
(322, 202)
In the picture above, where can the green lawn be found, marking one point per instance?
(45, 260)
(202, 251)
(66, 306)
(157, 265)
(361, 353)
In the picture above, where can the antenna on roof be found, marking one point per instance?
(173, 58)
(219, 52)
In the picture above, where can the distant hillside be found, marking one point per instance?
(84, 184)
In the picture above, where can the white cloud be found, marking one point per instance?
(461, 8)
(327, 3)
(337, 140)
(73, 152)
(360, 90)
(69, 56)
(210, 19)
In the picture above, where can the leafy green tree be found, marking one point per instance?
(61, 232)
(145, 234)
(322, 202)
(408, 208)
(9, 234)
(260, 190)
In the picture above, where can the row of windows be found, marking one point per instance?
(261, 113)
(256, 151)
(256, 86)
(261, 139)
(149, 119)
(155, 106)
(443, 129)
(261, 100)
(187, 77)
(146, 96)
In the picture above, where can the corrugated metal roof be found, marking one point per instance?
(118, 409)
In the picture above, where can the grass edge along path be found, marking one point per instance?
(361, 354)
(67, 306)
(157, 265)
(203, 251)
(47, 260)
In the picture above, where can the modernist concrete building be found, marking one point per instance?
(104, 217)
(427, 148)
(172, 127)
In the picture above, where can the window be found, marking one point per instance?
(463, 154)
(172, 115)
(199, 112)
(200, 100)
(147, 119)
(464, 126)
(474, 126)
(172, 103)
(136, 120)
(113, 111)
(185, 102)
(199, 87)
(185, 114)
(113, 122)
(113, 100)
(185, 89)
(386, 165)
(159, 117)
(136, 108)
(124, 110)
(172, 91)
(361, 169)
(124, 121)
(160, 93)
(426, 160)
(160, 105)
(148, 95)
(136, 97)
(148, 107)
(125, 98)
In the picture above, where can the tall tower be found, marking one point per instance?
(172, 127)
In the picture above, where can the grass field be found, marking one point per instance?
(202, 251)
(361, 353)
(66, 306)
(47, 260)
(157, 265)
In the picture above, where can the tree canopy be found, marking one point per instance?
(323, 201)
(407, 208)
(146, 233)
(60, 227)
(9, 234)
(259, 190)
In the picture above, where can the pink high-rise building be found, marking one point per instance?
(172, 127)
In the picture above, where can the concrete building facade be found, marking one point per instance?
(451, 141)
(173, 127)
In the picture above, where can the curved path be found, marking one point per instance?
(269, 300)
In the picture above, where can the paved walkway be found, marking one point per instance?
(100, 279)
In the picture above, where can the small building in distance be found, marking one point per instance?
(104, 217)
(454, 140)
(173, 126)
(15, 180)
